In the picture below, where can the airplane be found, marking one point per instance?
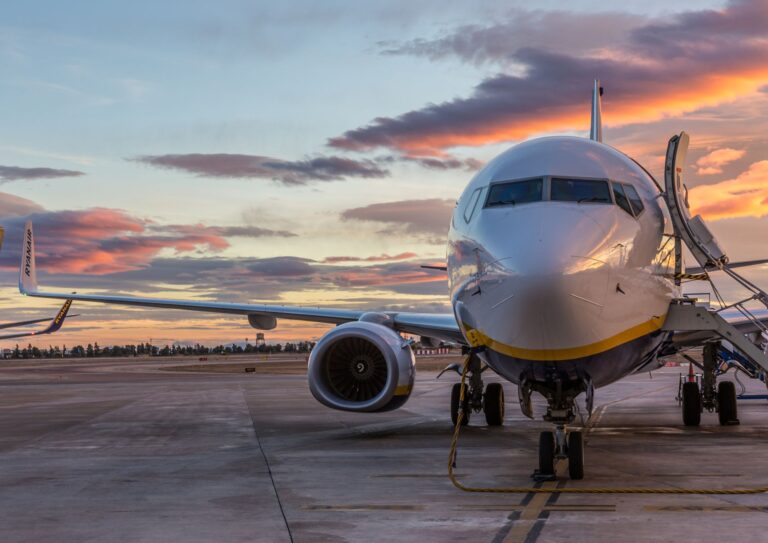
(54, 326)
(565, 269)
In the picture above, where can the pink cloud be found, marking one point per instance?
(713, 162)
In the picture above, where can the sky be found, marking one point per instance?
(310, 153)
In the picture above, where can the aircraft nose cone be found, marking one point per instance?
(547, 288)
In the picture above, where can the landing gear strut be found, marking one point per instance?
(478, 398)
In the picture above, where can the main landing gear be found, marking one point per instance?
(695, 396)
(489, 400)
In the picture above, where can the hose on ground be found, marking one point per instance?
(568, 490)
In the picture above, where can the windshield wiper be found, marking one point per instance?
(592, 199)
(502, 203)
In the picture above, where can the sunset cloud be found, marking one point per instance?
(698, 59)
(713, 162)
(16, 173)
(496, 43)
(376, 258)
(99, 241)
(445, 163)
(429, 217)
(16, 206)
(744, 196)
(250, 231)
(287, 172)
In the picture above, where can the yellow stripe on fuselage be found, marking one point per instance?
(478, 338)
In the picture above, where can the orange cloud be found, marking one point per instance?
(744, 196)
(101, 241)
(713, 162)
(691, 61)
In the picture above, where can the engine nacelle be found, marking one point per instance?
(361, 366)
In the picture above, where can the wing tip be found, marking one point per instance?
(27, 269)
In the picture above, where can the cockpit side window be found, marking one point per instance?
(621, 198)
(581, 190)
(634, 199)
(515, 193)
(470, 209)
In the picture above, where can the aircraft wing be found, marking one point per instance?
(260, 316)
(55, 325)
(21, 323)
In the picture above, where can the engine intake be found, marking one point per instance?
(361, 366)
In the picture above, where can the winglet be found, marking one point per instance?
(58, 320)
(596, 128)
(27, 271)
(55, 325)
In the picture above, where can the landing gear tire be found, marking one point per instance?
(726, 403)
(455, 399)
(691, 404)
(493, 406)
(546, 453)
(576, 455)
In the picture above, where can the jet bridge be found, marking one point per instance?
(684, 315)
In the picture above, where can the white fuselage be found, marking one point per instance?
(581, 287)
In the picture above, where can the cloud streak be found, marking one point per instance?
(16, 173)
(699, 59)
(290, 173)
(376, 258)
(426, 218)
(558, 30)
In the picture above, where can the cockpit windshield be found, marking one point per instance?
(581, 190)
(515, 192)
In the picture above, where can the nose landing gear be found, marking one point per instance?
(561, 444)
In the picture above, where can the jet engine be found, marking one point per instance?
(361, 366)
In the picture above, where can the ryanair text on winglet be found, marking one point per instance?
(28, 257)
(62, 312)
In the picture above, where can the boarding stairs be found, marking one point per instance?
(747, 348)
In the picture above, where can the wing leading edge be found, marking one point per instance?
(260, 316)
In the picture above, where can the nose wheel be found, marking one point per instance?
(561, 445)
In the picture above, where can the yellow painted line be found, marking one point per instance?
(477, 338)
(528, 517)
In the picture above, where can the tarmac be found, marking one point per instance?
(188, 450)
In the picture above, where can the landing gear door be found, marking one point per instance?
(692, 230)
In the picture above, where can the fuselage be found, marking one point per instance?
(561, 262)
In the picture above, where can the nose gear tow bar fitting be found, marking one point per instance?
(568, 490)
